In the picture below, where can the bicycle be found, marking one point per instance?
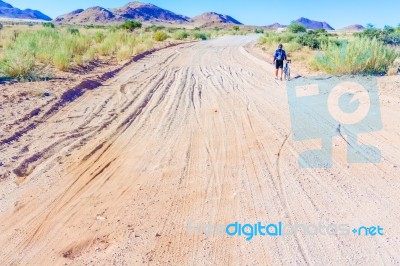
(286, 70)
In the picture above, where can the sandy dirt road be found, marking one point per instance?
(191, 135)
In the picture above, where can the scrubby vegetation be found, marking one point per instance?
(181, 35)
(361, 55)
(388, 35)
(48, 25)
(160, 36)
(370, 51)
(131, 25)
(64, 48)
(296, 28)
(26, 53)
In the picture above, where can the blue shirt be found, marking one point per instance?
(281, 53)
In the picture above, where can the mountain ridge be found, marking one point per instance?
(8, 11)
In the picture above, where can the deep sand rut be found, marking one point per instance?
(193, 134)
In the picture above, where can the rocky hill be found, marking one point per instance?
(313, 25)
(135, 10)
(8, 11)
(355, 27)
(142, 12)
(210, 18)
(92, 15)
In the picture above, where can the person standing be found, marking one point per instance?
(279, 57)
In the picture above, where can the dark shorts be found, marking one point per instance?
(279, 64)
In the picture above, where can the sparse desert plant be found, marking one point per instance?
(236, 28)
(1, 26)
(160, 36)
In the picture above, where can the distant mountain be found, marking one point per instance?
(8, 11)
(313, 25)
(149, 13)
(92, 15)
(209, 18)
(276, 26)
(355, 27)
(135, 10)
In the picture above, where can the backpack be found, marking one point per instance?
(279, 55)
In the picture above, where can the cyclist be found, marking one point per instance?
(279, 57)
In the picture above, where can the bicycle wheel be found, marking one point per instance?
(287, 74)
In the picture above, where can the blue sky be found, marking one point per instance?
(338, 13)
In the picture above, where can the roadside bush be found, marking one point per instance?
(259, 31)
(48, 25)
(160, 36)
(19, 63)
(199, 35)
(314, 39)
(296, 28)
(62, 59)
(235, 28)
(392, 39)
(180, 35)
(131, 25)
(26, 53)
(362, 55)
(155, 28)
(387, 35)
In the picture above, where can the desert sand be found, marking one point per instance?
(197, 133)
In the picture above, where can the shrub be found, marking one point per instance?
(314, 39)
(199, 35)
(24, 54)
(48, 25)
(180, 35)
(73, 31)
(99, 37)
(131, 25)
(155, 28)
(259, 31)
(235, 28)
(160, 36)
(62, 59)
(296, 28)
(362, 55)
(19, 63)
(1, 26)
(392, 39)
(388, 35)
